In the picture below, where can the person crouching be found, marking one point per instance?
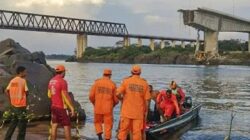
(168, 104)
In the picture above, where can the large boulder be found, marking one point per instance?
(39, 57)
(39, 73)
(9, 47)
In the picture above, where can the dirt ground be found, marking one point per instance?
(40, 131)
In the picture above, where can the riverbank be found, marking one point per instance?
(144, 55)
(238, 58)
(39, 130)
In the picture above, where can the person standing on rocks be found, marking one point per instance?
(60, 101)
(102, 96)
(17, 92)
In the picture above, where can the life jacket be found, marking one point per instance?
(180, 95)
(17, 91)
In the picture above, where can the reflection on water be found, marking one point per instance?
(220, 89)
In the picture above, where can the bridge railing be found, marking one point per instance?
(47, 23)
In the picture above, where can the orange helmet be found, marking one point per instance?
(60, 68)
(107, 71)
(136, 69)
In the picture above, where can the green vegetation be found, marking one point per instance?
(132, 51)
(116, 52)
(232, 45)
(58, 56)
(133, 54)
(233, 52)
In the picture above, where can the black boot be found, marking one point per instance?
(99, 136)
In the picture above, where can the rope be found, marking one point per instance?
(231, 123)
(50, 126)
(77, 126)
(2, 124)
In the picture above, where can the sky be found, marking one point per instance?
(149, 17)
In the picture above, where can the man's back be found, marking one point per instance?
(102, 95)
(17, 91)
(57, 85)
(136, 92)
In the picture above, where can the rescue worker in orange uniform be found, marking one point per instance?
(134, 92)
(102, 96)
(17, 91)
(168, 104)
(178, 92)
(60, 102)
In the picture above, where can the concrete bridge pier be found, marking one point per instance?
(139, 43)
(211, 42)
(183, 44)
(152, 44)
(162, 44)
(126, 41)
(82, 42)
(192, 44)
(248, 42)
(197, 46)
(173, 44)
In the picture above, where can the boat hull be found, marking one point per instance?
(174, 124)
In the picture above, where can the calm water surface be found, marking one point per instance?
(219, 88)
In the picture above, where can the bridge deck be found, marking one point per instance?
(160, 38)
(219, 13)
(58, 24)
(208, 19)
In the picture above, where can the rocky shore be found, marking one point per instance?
(12, 55)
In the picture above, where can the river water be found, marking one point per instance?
(219, 88)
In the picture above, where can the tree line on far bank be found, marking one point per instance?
(233, 45)
(132, 52)
(224, 47)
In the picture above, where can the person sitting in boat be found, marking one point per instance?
(168, 104)
(153, 113)
(178, 92)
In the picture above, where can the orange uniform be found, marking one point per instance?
(135, 93)
(17, 89)
(168, 104)
(102, 95)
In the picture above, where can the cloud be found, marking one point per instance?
(86, 9)
(30, 3)
(154, 19)
(147, 17)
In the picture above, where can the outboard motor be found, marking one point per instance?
(188, 102)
